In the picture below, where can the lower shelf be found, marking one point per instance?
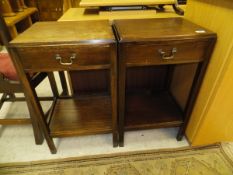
(81, 116)
(147, 111)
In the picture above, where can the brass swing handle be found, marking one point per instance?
(166, 56)
(72, 57)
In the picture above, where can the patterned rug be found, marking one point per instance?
(209, 160)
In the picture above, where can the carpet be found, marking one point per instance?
(208, 160)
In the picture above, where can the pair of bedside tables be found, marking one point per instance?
(152, 71)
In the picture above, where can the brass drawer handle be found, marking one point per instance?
(72, 57)
(165, 56)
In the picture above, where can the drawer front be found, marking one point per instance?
(156, 54)
(53, 58)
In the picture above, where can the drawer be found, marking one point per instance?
(156, 54)
(52, 58)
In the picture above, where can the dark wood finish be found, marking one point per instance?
(4, 95)
(148, 78)
(180, 85)
(63, 83)
(8, 88)
(24, 24)
(199, 75)
(121, 95)
(65, 33)
(159, 42)
(97, 58)
(30, 3)
(113, 92)
(5, 34)
(151, 110)
(177, 9)
(53, 84)
(175, 29)
(90, 81)
(22, 4)
(16, 5)
(6, 38)
(87, 115)
(186, 52)
(95, 50)
(50, 10)
(182, 1)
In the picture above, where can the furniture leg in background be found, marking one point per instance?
(63, 83)
(22, 4)
(16, 5)
(6, 9)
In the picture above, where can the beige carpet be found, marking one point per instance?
(209, 160)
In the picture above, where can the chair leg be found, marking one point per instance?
(4, 96)
(12, 96)
(63, 83)
(53, 84)
(36, 130)
(33, 100)
(35, 126)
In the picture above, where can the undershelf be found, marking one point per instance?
(146, 111)
(81, 116)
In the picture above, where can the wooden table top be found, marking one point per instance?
(159, 29)
(84, 32)
(99, 3)
(83, 14)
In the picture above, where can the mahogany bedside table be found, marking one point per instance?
(61, 46)
(161, 65)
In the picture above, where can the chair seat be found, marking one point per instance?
(6, 67)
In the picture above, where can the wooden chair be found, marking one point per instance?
(9, 85)
(6, 9)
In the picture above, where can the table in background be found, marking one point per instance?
(102, 3)
(83, 14)
(131, 4)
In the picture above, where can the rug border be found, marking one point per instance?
(98, 156)
(225, 155)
